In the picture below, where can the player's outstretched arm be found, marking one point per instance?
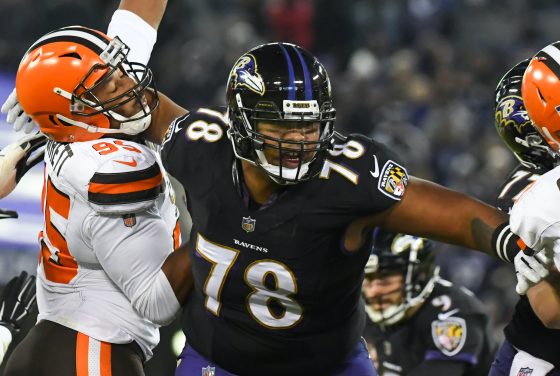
(15, 302)
(432, 211)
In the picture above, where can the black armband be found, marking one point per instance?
(506, 244)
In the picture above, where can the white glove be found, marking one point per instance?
(17, 158)
(530, 270)
(15, 114)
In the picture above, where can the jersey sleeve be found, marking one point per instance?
(459, 338)
(536, 211)
(392, 179)
(518, 180)
(459, 332)
(115, 177)
(191, 137)
(131, 251)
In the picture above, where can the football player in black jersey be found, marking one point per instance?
(529, 345)
(420, 324)
(279, 203)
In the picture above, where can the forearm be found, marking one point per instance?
(545, 300)
(177, 269)
(151, 11)
(432, 211)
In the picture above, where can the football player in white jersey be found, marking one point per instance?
(534, 216)
(110, 223)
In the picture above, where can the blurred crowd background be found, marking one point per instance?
(418, 75)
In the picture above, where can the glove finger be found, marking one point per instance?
(35, 158)
(537, 266)
(14, 113)
(20, 121)
(526, 272)
(9, 103)
(522, 285)
(544, 258)
(30, 126)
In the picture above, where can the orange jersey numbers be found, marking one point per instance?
(104, 148)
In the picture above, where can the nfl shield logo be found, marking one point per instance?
(129, 220)
(526, 371)
(208, 371)
(248, 224)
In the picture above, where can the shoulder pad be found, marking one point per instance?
(125, 177)
(206, 123)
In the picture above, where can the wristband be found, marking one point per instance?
(135, 32)
(506, 244)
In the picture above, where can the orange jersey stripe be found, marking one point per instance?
(62, 267)
(135, 186)
(82, 348)
(176, 236)
(105, 359)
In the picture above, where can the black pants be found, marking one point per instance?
(50, 349)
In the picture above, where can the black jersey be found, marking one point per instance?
(525, 331)
(275, 292)
(451, 325)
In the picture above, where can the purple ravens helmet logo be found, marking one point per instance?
(511, 112)
(245, 73)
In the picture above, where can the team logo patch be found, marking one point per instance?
(129, 220)
(510, 112)
(248, 224)
(245, 73)
(208, 371)
(449, 335)
(525, 371)
(393, 180)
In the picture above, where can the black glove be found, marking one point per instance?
(8, 214)
(17, 299)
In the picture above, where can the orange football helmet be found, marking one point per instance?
(540, 90)
(57, 76)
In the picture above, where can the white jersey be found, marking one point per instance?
(535, 216)
(110, 223)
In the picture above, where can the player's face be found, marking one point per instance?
(382, 291)
(291, 132)
(116, 85)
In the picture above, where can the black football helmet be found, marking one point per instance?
(408, 255)
(279, 82)
(514, 125)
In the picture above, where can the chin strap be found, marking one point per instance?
(130, 127)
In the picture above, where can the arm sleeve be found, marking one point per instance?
(132, 257)
(135, 33)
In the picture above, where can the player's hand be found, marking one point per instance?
(15, 114)
(531, 269)
(17, 158)
(17, 299)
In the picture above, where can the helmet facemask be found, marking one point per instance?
(250, 142)
(84, 101)
(419, 277)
